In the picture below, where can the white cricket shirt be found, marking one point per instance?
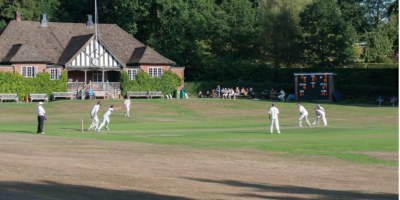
(303, 110)
(274, 112)
(40, 111)
(95, 109)
(127, 103)
(108, 112)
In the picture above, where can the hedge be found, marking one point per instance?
(16, 83)
(142, 82)
(353, 83)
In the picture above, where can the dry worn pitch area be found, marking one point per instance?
(48, 167)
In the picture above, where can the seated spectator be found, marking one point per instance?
(379, 100)
(225, 93)
(214, 93)
(251, 93)
(201, 94)
(208, 94)
(393, 100)
(243, 90)
(271, 93)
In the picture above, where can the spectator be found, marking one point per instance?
(225, 93)
(214, 93)
(251, 93)
(271, 93)
(232, 93)
(219, 91)
(201, 94)
(393, 100)
(208, 94)
(379, 100)
(242, 91)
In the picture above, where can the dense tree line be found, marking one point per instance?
(228, 39)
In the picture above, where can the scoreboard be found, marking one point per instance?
(314, 86)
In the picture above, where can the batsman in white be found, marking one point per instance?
(319, 113)
(273, 116)
(106, 118)
(303, 114)
(127, 104)
(93, 115)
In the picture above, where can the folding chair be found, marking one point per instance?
(290, 97)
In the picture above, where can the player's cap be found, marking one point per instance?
(273, 104)
(99, 102)
(318, 105)
(40, 103)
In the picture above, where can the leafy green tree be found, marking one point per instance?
(327, 38)
(281, 31)
(377, 11)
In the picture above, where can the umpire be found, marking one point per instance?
(41, 116)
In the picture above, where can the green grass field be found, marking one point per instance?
(352, 131)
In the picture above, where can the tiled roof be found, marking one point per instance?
(75, 44)
(146, 55)
(57, 42)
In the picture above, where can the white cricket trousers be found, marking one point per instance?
(276, 125)
(316, 120)
(106, 121)
(127, 112)
(323, 118)
(95, 121)
(304, 115)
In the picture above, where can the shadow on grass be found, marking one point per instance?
(293, 190)
(32, 132)
(54, 190)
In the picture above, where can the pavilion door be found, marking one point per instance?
(98, 76)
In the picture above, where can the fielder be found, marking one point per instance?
(127, 106)
(93, 115)
(106, 118)
(303, 114)
(319, 113)
(273, 116)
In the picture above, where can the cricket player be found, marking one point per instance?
(127, 104)
(282, 95)
(303, 114)
(106, 118)
(319, 113)
(93, 115)
(273, 116)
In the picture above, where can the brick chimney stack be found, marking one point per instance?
(17, 16)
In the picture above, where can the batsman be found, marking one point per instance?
(93, 115)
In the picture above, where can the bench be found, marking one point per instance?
(137, 94)
(8, 97)
(39, 97)
(103, 94)
(69, 95)
(156, 94)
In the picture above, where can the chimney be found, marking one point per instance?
(89, 23)
(43, 21)
(17, 16)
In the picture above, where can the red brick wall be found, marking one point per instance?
(6, 69)
(181, 73)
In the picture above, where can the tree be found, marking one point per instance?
(281, 31)
(377, 11)
(328, 39)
